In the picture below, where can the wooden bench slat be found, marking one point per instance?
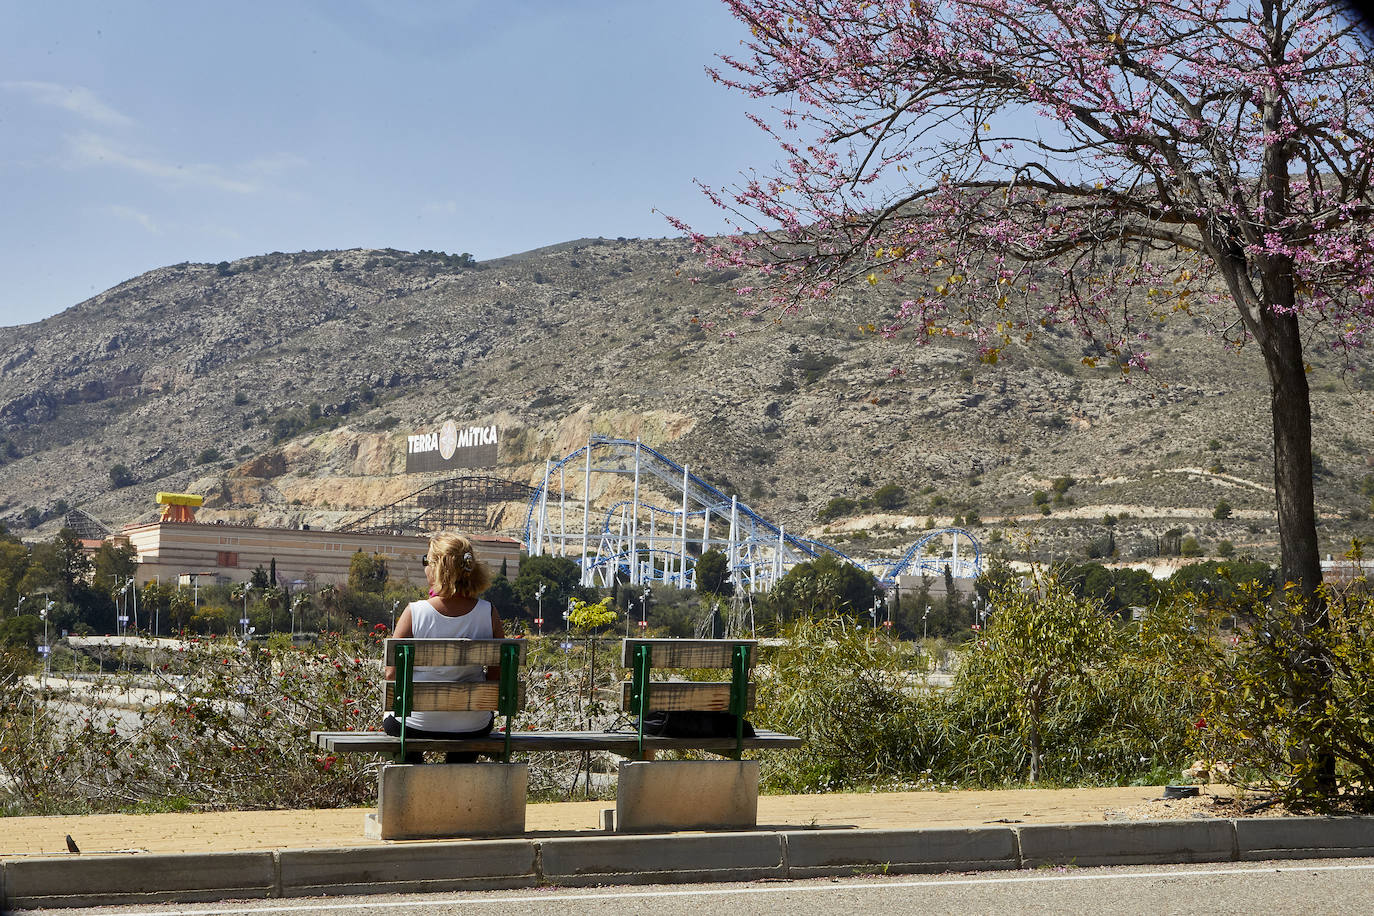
(447, 696)
(688, 653)
(669, 695)
(625, 744)
(453, 652)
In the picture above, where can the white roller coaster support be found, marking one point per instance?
(543, 509)
(732, 550)
(586, 514)
(777, 556)
(759, 554)
(682, 553)
(634, 525)
(753, 560)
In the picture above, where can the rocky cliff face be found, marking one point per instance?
(282, 387)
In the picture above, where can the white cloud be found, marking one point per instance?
(134, 215)
(90, 149)
(444, 207)
(78, 100)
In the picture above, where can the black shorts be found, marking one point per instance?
(393, 728)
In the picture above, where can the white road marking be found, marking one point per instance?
(780, 888)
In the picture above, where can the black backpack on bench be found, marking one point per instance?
(693, 723)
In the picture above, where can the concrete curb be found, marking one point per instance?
(1304, 838)
(1138, 843)
(661, 859)
(112, 880)
(823, 853)
(415, 868)
(63, 881)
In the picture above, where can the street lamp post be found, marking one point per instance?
(923, 623)
(47, 644)
(539, 597)
(394, 605)
(877, 606)
(644, 611)
(295, 604)
(247, 587)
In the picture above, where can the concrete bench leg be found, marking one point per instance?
(687, 795)
(428, 801)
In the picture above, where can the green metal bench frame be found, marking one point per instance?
(641, 688)
(508, 696)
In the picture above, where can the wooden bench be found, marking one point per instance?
(423, 802)
(403, 695)
(505, 697)
(691, 794)
(642, 695)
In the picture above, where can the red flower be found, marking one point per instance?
(1200, 723)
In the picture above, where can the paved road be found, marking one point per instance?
(1317, 886)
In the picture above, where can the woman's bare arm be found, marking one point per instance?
(498, 631)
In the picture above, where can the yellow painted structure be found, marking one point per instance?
(181, 507)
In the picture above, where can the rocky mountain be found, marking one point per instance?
(282, 387)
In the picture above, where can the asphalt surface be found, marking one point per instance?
(1336, 886)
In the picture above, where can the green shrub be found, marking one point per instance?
(1111, 701)
(890, 496)
(1039, 644)
(1295, 695)
(120, 477)
(231, 730)
(850, 696)
(837, 507)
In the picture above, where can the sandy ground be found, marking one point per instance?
(224, 831)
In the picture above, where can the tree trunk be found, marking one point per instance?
(1293, 491)
(1292, 416)
(1033, 736)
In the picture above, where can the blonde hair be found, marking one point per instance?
(457, 570)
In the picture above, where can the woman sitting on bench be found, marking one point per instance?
(454, 611)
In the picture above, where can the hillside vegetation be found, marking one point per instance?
(282, 386)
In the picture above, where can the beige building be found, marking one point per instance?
(169, 551)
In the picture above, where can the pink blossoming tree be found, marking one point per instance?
(1017, 163)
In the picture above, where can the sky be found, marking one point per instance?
(134, 135)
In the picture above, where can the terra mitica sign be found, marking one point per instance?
(451, 446)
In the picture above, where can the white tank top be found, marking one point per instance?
(428, 623)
